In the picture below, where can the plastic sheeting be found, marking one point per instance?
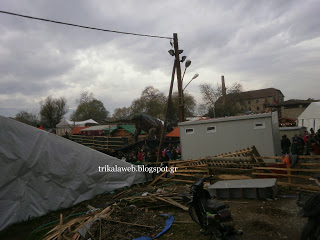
(41, 172)
(164, 230)
(310, 117)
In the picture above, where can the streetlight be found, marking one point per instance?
(187, 64)
(194, 77)
(182, 91)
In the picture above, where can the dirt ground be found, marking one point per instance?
(259, 219)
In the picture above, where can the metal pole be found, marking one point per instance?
(164, 127)
(177, 56)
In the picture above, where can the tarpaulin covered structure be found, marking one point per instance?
(41, 172)
(310, 117)
(66, 125)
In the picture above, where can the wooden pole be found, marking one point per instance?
(177, 56)
(164, 127)
(289, 175)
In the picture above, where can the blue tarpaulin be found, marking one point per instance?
(166, 228)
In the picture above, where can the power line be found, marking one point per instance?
(80, 26)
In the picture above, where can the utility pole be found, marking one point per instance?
(164, 127)
(178, 67)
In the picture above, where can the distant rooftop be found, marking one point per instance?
(254, 94)
(293, 102)
(261, 93)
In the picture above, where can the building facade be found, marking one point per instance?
(291, 108)
(257, 101)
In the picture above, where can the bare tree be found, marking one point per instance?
(216, 106)
(52, 110)
(209, 97)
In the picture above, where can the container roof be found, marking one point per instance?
(226, 119)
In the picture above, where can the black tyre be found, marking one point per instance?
(310, 230)
(193, 215)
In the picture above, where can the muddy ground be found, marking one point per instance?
(259, 219)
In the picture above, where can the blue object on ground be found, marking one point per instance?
(166, 228)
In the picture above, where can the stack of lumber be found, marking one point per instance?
(301, 175)
(190, 170)
(243, 159)
(183, 171)
(251, 151)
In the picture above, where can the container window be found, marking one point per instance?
(211, 129)
(259, 125)
(189, 131)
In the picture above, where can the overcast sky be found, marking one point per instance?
(260, 44)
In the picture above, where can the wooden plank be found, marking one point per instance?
(297, 164)
(309, 157)
(299, 157)
(255, 151)
(299, 186)
(60, 230)
(285, 169)
(232, 177)
(193, 166)
(289, 175)
(178, 180)
(281, 175)
(224, 168)
(184, 174)
(159, 177)
(192, 170)
(309, 164)
(185, 161)
(173, 202)
(247, 159)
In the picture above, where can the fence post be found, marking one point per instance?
(289, 174)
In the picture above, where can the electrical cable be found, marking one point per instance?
(80, 26)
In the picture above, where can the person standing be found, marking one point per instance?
(285, 145)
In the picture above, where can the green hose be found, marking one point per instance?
(47, 224)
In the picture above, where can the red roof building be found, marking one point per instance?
(174, 133)
(76, 130)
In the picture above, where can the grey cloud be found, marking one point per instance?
(255, 41)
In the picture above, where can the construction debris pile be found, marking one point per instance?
(189, 170)
(128, 217)
(299, 174)
(113, 222)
